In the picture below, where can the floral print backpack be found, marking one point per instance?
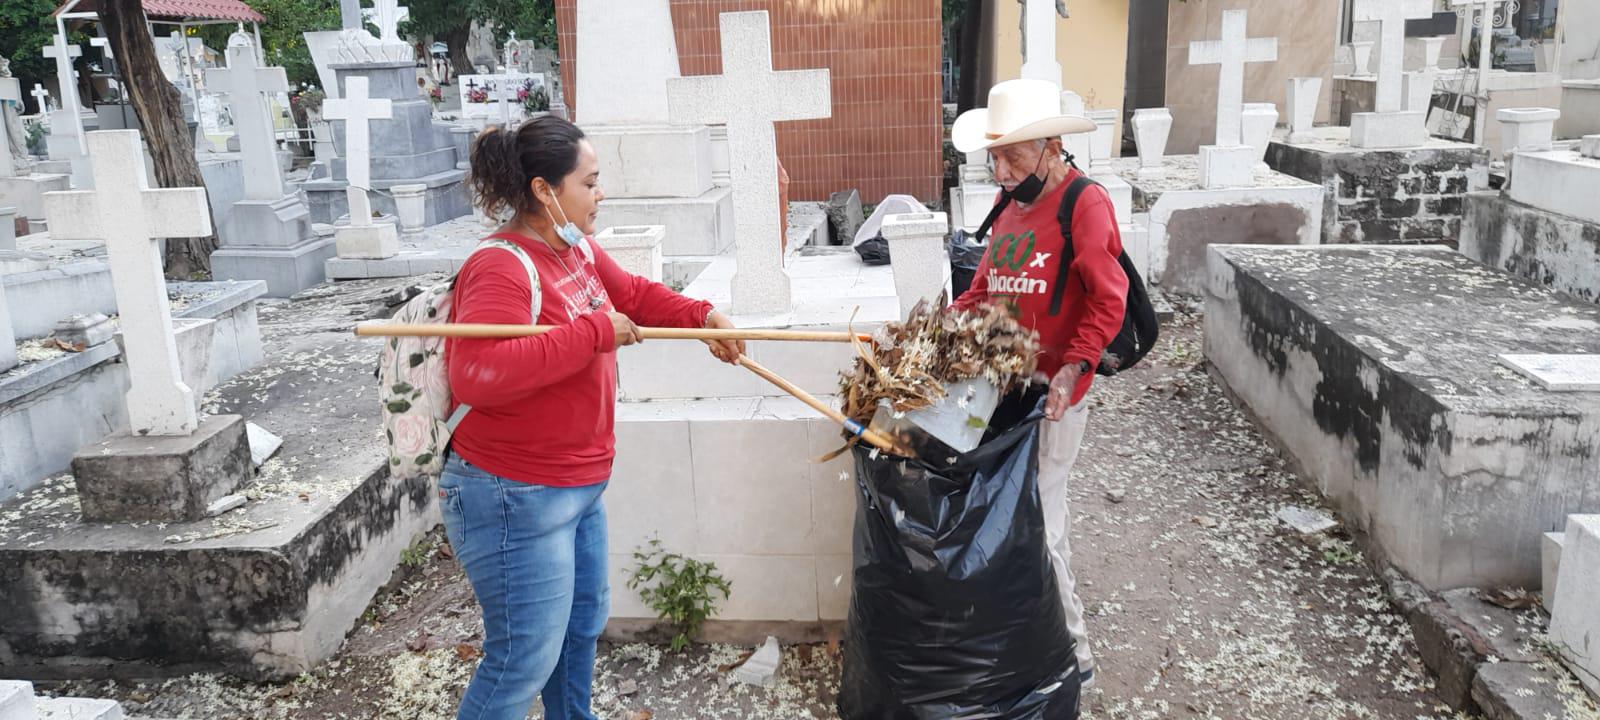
(414, 384)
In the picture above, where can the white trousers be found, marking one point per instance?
(1058, 449)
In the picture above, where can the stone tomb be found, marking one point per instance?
(1175, 219)
(655, 171)
(1405, 195)
(408, 148)
(1574, 623)
(1545, 226)
(1378, 369)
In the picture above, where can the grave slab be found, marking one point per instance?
(26, 192)
(1410, 195)
(133, 478)
(1376, 368)
(1558, 372)
(1574, 624)
(1182, 218)
(700, 225)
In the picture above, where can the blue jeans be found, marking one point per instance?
(536, 557)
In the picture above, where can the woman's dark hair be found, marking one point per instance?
(505, 162)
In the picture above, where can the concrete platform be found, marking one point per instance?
(1553, 249)
(1410, 195)
(1184, 219)
(1376, 369)
(265, 591)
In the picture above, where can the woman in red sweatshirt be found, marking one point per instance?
(527, 465)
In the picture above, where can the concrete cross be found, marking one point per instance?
(749, 97)
(10, 89)
(41, 96)
(1232, 52)
(244, 83)
(63, 53)
(387, 14)
(129, 216)
(1039, 60)
(1486, 20)
(1391, 16)
(356, 109)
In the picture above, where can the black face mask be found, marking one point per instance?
(1028, 190)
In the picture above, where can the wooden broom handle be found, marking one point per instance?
(466, 330)
(876, 438)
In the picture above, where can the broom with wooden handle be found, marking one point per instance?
(467, 330)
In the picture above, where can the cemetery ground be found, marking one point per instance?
(1202, 603)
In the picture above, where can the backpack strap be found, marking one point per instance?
(994, 213)
(1064, 215)
(496, 241)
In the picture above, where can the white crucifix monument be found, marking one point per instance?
(749, 97)
(1230, 162)
(387, 15)
(1390, 125)
(361, 238)
(1039, 60)
(10, 89)
(172, 463)
(246, 85)
(41, 97)
(66, 78)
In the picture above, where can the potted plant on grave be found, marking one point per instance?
(533, 97)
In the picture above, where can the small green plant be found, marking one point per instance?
(417, 555)
(680, 589)
(34, 130)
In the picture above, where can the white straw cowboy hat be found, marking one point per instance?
(1018, 110)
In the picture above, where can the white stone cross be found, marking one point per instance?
(356, 109)
(1039, 41)
(63, 53)
(1232, 52)
(1485, 22)
(1391, 16)
(41, 96)
(749, 97)
(387, 14)
(129, 216)
(10, 89)
(350, 14)
(244, 83)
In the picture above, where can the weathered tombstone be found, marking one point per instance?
(361, 238)
(749, 97)
(1574, 623)
(919, 257)
(1390, 125)
(1304, 94)
(1230, 162)
(1151, 128)
(171, 464)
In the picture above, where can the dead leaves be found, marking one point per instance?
(913, 361)
(1511, 598)
(641, 715)
(466, 652)
(68, 347)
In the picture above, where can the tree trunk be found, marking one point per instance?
(160, 111)
(967, 55)
(456, 39)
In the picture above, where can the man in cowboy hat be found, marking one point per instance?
(1022, 129)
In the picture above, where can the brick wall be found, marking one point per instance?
(885, 135)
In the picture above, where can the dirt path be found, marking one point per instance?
(1203, 604)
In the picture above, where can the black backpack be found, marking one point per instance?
(1140, 328)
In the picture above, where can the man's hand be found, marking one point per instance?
(1061, 387)
(727, 351)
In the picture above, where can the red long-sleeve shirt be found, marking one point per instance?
(543, 407)
(1022, 264)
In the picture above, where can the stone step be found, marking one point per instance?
(77, 709)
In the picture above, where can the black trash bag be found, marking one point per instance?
(955, 611)
(874, 250)
(964, 259)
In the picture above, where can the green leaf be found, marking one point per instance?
(399, 406)
(417, 358)
(402, 388)
(973, 421)
(424, 458)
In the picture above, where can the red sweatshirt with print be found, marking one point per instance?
(1023, 262)
(543, 407)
